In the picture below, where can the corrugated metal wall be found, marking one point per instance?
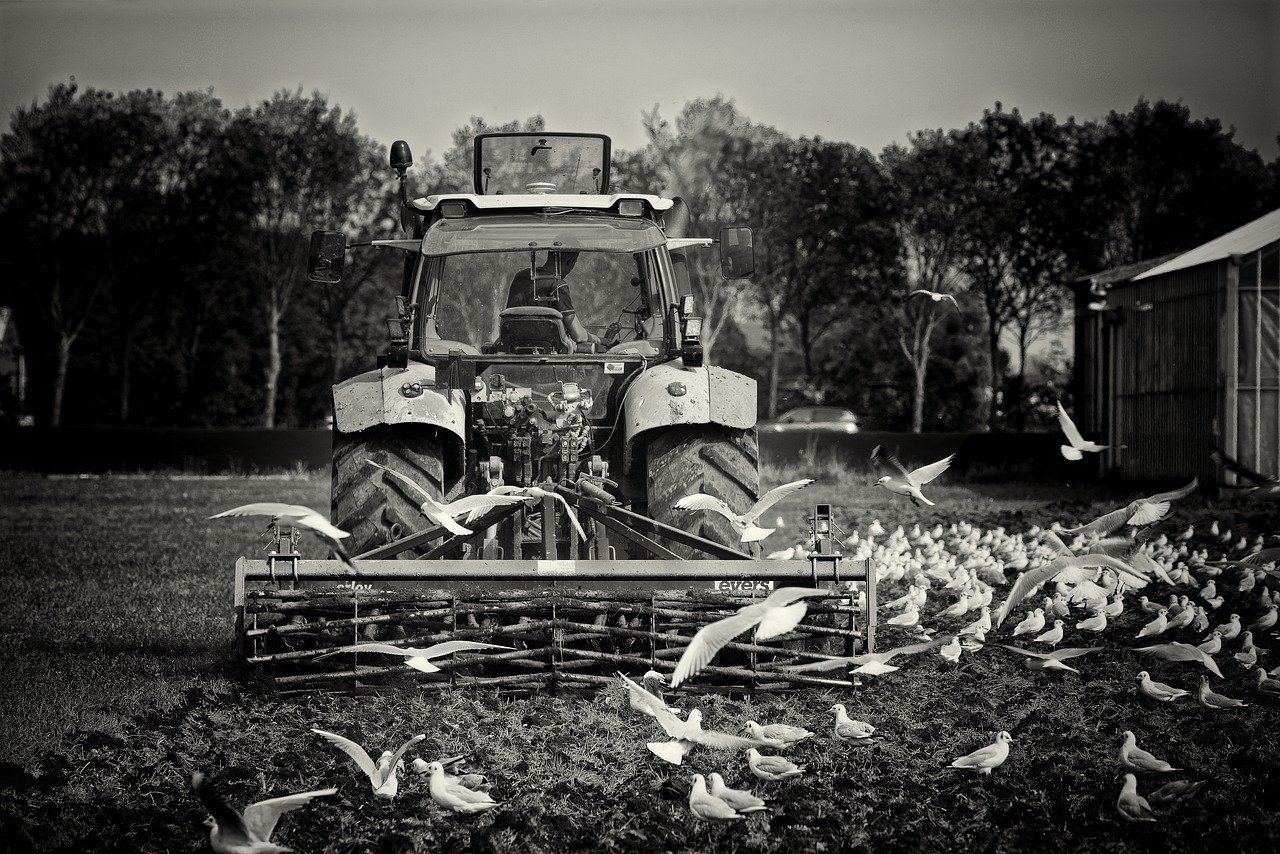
(1166, 373)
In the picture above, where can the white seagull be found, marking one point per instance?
(446, 514)
(911, 481)
(383, 775)
(775, 615)
(419, 658)
(295, 516)
(935, 296)
(231, 832)
(748, 530)
(1077, 443)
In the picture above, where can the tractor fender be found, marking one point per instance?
(670, 393)
(398, 396)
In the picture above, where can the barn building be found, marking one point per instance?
(1176, 355)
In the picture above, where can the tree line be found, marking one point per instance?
(156, 249)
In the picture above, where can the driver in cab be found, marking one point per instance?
(546, 286)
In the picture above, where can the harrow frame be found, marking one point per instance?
(565, 617)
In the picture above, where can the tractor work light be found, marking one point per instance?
(631, 207)
(453, 210)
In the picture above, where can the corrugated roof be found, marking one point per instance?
(1123, 273)
(1247, 238)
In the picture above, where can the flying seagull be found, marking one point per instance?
(532, 492)
(1052, 660)
(231, 832)
(911, 481)
(748, 530)
(868, 663)
(1077, 444)
(415, 657)
(935, 296)
(1067, 568)
(295, 516)
(1137, 514)
(445, 514)
(1264, 487)
(771, 617)
(1178, 651)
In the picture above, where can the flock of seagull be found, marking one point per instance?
(1071, 582)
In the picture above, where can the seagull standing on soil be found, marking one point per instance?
(772, 768)
(230, 832)
(986, 758)
(708, 807)
(444, 514)
(772, 617)
(847, 729)
(1134, 758)
(745, 523)
(383, 774)
(1131, 805)
(295, 516)
(1158, 690)
(1033, 622)
(1052, 637)
(911, 481)
(785, 734)
(741, 800)
(452, 795)
(1210, 700)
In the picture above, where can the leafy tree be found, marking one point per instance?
(696, 159)
(928, 180)
(827, 243)
(300, 161)
(1153, 180)
(81, 175)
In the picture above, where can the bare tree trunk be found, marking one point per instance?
(272, 379)
(63, 359)
(774, 360)
(919, 366)
(126, 358)
(1021, 382)
(336, 350)
(993, 351)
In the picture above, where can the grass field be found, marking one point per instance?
(116, 683)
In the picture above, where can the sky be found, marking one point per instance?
(867, 72)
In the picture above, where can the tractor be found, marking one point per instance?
(545, 344)
(545, 334)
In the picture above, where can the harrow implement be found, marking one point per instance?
(567, 620)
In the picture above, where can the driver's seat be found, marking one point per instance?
(531, 330)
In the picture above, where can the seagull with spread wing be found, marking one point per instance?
(419, 658)
(384, 774)
(1137, 514)
(1178, 651)
(1052, 660)
(868, 663)
(232, 832)
(1264, 487)
(687, 733)
(532, 493)
(1077, 444)
(444, 514)
(746, 524)
(935, 296)
(1067, 568)
(778, 613)
(295, 516)
(911, 481)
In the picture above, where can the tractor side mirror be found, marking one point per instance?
(327, 257)
(737, 255)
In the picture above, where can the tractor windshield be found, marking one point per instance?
(600, 284)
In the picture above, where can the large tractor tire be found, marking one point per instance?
(719, 461)
(375, 508)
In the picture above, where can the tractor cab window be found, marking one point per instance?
(543, 285)
(548, 301)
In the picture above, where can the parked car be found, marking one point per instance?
(814, 418)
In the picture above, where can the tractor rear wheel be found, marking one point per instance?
(720, 461)
(375, 508)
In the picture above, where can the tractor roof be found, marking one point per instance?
(539, 201)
